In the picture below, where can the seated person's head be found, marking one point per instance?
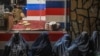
(16, 6)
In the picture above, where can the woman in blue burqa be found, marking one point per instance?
(16, 46)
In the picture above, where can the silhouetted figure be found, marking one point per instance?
(94, 43)
(80, 46)
(41, 46)
(16, 46)
(61, 45)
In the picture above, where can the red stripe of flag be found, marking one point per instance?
(56, 11)
(48, 11)
(36, 12)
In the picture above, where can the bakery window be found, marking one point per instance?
(39, 15)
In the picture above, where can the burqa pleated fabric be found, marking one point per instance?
(16, 46)
(94, 43)
(61, 45)
(41, 46)
(80, 46)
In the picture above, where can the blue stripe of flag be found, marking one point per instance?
(36, 6)
(57, 4)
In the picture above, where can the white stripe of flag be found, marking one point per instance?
(36, 1)
(35, 18)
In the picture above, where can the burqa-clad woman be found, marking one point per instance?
(41, 46)
(61, 45)
(94, 43)
(16, 46)
(80, 46)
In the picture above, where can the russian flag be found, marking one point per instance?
(49, 10)
(57, 10)
(36, 9)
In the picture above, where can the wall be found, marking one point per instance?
(85, 16)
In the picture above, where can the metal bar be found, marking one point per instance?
(65, 14)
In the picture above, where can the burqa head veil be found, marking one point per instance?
(80, 46)
(61, 45)
(16, 41)
(42, 45)
(94, 40)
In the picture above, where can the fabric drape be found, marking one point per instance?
(16, 46)
(42, 46)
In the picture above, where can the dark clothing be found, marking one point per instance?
(80, 46)
(94, 43)
(61, 45)
(42, 46)
(16, 46)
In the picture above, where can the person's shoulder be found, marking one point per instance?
(14, 8)
(21, 10)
